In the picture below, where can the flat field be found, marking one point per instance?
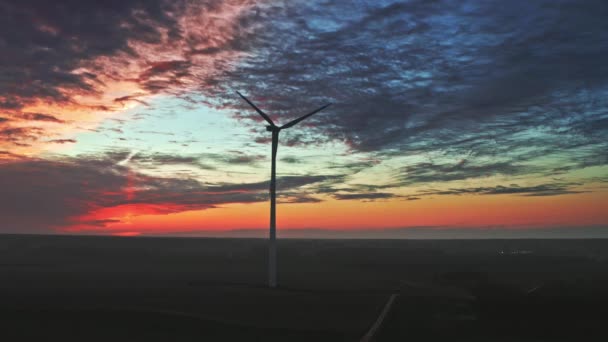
(187, 289)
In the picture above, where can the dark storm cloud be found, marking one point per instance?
(44, 194)
(513, 79)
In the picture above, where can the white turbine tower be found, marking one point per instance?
(272, 248)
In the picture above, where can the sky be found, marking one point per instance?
(122, 118)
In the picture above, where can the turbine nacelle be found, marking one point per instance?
(271, 127)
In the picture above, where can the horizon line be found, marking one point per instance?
(399, 233)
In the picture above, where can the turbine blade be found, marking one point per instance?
(291, 123)
(266, 117)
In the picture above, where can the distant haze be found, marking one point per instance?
(412, 233)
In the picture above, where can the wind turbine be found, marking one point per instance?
(272, 247)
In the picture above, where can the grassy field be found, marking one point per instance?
(183, 289)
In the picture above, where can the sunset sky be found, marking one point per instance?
(121, 117)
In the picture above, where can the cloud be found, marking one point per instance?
(412, 77)
(365, 196)
(520, 91)
(63, 141)
(290, 160)
(7, 155)
(206, 161)
(436, 77)
(20, 134)
(536, 190)
(131, 98)
(42, 63)
(45, 195)
(81, 58)
(285, 183)
(40, 117)
(432, 172)
(243, 159)
(159, 159)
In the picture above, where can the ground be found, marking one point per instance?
(179, 289)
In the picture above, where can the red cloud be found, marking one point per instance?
(140, 50)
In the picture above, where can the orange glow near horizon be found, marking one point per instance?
(585, 209)
(126, 234)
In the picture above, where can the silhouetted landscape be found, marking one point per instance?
(185, 289)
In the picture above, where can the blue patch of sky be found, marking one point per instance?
(171, 126)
